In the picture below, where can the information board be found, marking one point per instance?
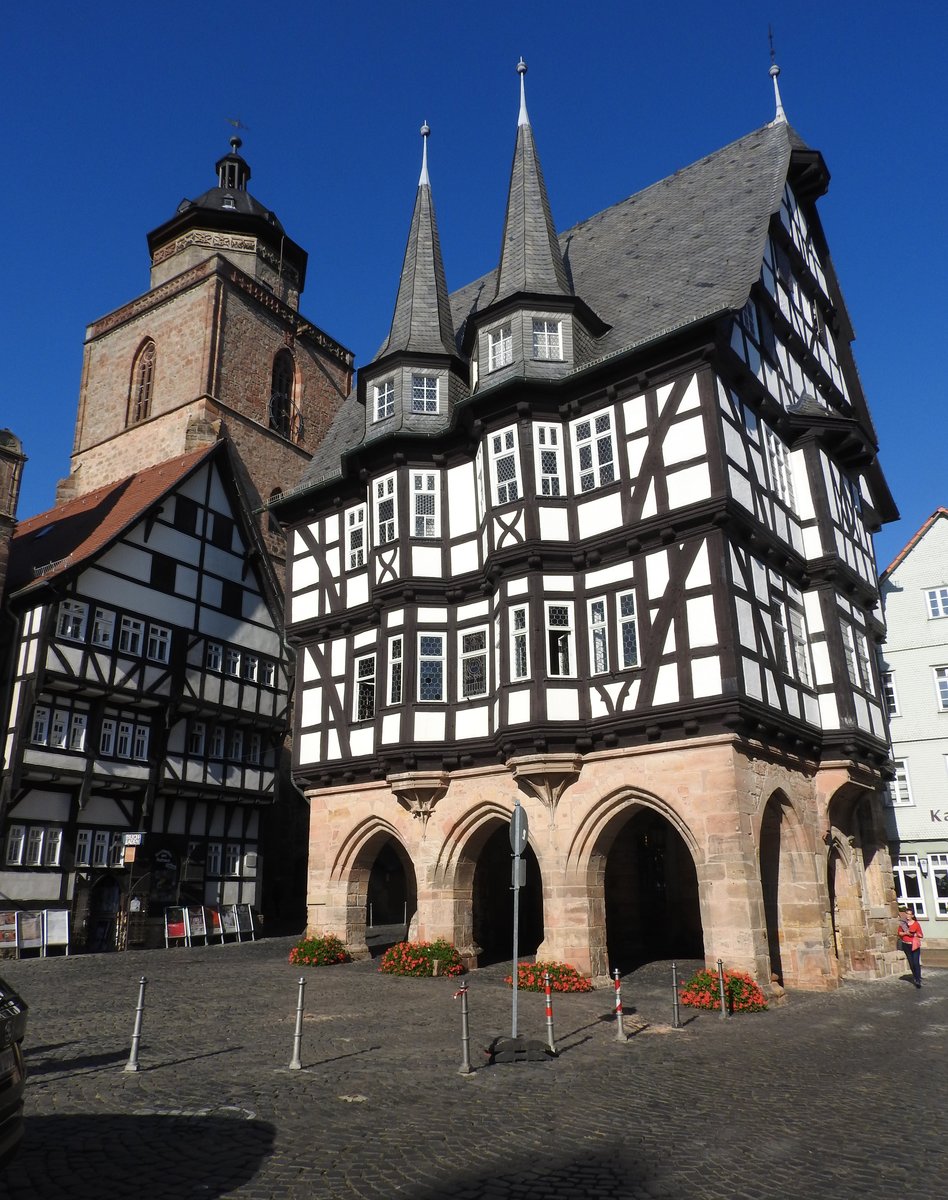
(229, 920)
(196, 926)
(7, 928)
(56, 932)
(29, 930)
(175, 927)
(244, 920)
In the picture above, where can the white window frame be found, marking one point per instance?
(40, 732)
(197, 735)
(779, 468)
(124, 739)
(78, 726)
(938, 867)
(35, 837)
(249, 667)
(499, 347)
(212, 860)
(470, 651)
(218, 743)
(589, 436)
(100, 848)
(560, 639)
(937, 601)
(597, 616)
(505, 448)
(52, 851)
(906, 866)
(425, 394)
(431, 654)
(548, 457)
(71, 622)
(384, 396)
(890, 696)
(16, 845)
(547, 339)
(131, 635)
(116, 849)
(384, 492)
(396, 669)
(355, 537)
(255, 750)
(627, 617)
(236, 750)
(941, 687)
(59, 729)
(899, 789)
(364, 687)
(159, 643)
(140, 743)
(232, 858)
(267, 673)
(103, 628)
(425, 494)
(232, 662)
(83, 847)
(107, 737)
(519, 642)
(849, 652)
(214, 656)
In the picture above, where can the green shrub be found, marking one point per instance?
(418, 959)
(322, 950)
(563, 977)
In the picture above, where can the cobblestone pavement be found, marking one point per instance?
(806, 1100)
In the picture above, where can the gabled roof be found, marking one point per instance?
(47, 546)
(913, 542)
(679, 252)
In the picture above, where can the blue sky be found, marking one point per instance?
(113, 112)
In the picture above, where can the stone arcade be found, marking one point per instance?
(595, 531)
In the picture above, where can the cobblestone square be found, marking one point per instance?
(809, 1099)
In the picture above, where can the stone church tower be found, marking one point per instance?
(216, 345)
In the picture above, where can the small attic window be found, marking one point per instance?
(228, 202)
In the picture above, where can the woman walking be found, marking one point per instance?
(910, 937)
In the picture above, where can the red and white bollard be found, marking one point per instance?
(620, 1031)
(549, 1011)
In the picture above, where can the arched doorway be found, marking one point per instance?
(388, 891)
(493, 900)
(651, 894)
(792, 911)
(846, 910)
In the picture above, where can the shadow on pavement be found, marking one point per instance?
(158, 1157)
(598, 1173)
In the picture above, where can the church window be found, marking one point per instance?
(628, 630)
(281, 394)
(384, 400)
(395, 670)
(424, 393)
(547, 339)
(889, 695)
(519, 646)
(143, 380)
(72, 620)
(425, 504)
(355, 536)
(499, 348)
(505, 465)
(937, 599)
(941, 686)
(598, 639)
(594, 451)
(780, 467)
(364, 688)
(548, 446)
(559, 633)
(473, 664)
(103, 627)
(159, 643)
(431, 666)
(131, 632)
(385, 516)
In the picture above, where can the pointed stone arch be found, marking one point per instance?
(351, 871)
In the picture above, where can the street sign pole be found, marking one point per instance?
(518, 842)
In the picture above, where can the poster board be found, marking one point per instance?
(175, 926)
(229, 921)
(196, 925)
(29, 931)
(7, 929)
(244, 921)
(213, 923)
(56, 928)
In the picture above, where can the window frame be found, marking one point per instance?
(15, 846)
(519, 633)
(597, 623)
(213, 657)
(430, 656)
(890, 696)
(39, 734)
(142, 385)
(547, 339)
(499, 347)
(383, 406)
(507, 491)
(940, 675)
(779, 468)
(595, 470)
(71, 620)
(356, 525)
(937, 601)
(938, 865)
(429, 523)
(469, 656)
(364, 670)
(158, 647)
(385, 491)
(103, 628)
(899, 789)
(565, 635)
(904, 866)
(550, 484)
(131, 636)
(422, 402)
(396, 669)
(623, 621)
(35, 839)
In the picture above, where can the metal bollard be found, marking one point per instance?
(549, 1011)
(676, 1018)
(722, 990)
(295, 1064)
(620, 1030)
(132, 1064)
(465, 1067)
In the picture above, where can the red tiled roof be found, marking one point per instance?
(913, 541)
(46, 545)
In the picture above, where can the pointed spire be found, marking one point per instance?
(530, 257)
(780, 116)
(422, 320)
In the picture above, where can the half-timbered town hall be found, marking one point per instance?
(593, 533)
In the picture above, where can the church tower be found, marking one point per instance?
(217, 345)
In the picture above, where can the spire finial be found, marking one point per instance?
(423, 178)
(780, 115)
(521, 71)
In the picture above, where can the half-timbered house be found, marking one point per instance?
(593, 533)
(149, 696)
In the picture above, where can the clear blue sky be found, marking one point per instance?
(115, 111)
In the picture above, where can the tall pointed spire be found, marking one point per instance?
(780, 116)
(422, 319)
(530, 257)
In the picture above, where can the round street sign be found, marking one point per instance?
(518, 830)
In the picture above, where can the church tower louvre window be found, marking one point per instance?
(283, 416)
(143, 381)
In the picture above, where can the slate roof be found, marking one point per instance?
(684, 249)
(54, 542)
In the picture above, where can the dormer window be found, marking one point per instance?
(228, 202)
(384, 400)
(424, 393)
(499, 347)
(547, 339)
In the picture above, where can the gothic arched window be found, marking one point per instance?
(273, 525)
(143, 380)
(281, 394)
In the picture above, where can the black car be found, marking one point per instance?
(12, 1071)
